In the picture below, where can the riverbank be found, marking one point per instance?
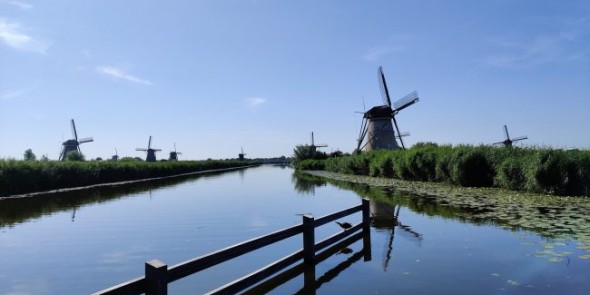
(538, 170)
(28, 177)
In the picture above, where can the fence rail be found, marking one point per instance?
(158, 275)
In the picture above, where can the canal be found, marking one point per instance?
(80, 242)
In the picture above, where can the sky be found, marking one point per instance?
(215, 76)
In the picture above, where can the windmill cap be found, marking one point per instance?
(379, 112)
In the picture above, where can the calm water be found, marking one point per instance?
(82, 242)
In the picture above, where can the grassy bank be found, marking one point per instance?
(539, 170)
(20, 177)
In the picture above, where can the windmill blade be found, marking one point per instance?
(141, 149)
(175, 147)
(74, 130)
(519, 138)
(498, 143)
(242, 149)
(156, 150)
(150, 142)
(397, 129)
(402, 134)
(506, 131)
(116, 152)
(362, 134)
(312, 142)
(178, 153)
(406, 101)
(86, 139)
(383, 87)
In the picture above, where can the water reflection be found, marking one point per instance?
(555, 218)
(386, 216)
(305, 183)
(18, 210)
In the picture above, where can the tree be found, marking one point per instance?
(304, 152)
(44, 158)
(30, 156)
(75, 156)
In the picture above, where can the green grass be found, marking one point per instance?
(539, 170)
(20, 177)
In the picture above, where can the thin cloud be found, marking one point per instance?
(255, 102)
(11, 35)
(393, 44)
(121, 74)
(376, 53)
(19, 4)
(15, 93)
(561, 46)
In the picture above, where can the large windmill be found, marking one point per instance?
(174, 154)
(151, 153)
(241, 155)
(508, 141)
(72, 145)
(314, 146)
(377, 128)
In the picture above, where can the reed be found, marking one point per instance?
(540, 170)
(20, 177)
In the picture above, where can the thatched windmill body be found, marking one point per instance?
(72, 145)
(151, 153)
(377, 128)
(242, 154)
(508, 141)
(174, 154)
(115, 157)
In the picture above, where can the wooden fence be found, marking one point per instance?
(158, 275)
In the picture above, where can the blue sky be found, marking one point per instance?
(214, 76)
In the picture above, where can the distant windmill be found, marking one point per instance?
(508, 141)
(241, 155)
(174, 154)
(377, 129)
(72, 145)
(151, 153)
(116, 156)
(314, 146)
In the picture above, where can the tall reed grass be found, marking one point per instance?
(19, 177)
(541, 170)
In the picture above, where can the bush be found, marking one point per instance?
(471, 168)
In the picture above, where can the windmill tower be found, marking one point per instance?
(115, 157)
(241, 155)
(377, 128)
(72, 145)
(151, 153)
(314, 146)
(508, 141)
(174, 154)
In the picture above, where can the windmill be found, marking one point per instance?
(72, 145)
(377, 128)
(151, 153)
(241, 155)
(314, 146)
(115, 157)
(508, 141)
(174, 154)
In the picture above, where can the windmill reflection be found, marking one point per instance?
(386, 217)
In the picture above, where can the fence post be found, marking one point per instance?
(156, 277)
(366, 229)
(308, 240)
